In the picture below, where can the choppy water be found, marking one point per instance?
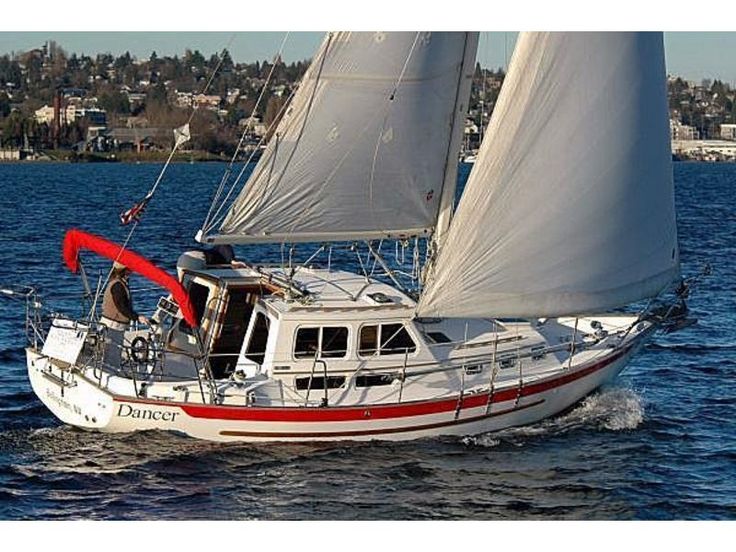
(659, 444)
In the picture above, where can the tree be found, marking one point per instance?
(157, 94)
(234, 115)
(194, 59)
(4, 105)
(13, 129)
(227, 62)
(114, 102)
(273, 110)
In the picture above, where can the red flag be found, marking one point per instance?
(75, 240)
(134, 213)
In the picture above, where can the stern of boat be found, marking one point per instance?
(70, 397)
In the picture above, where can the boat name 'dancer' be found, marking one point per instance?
(125, 411)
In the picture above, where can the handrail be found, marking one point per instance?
(405, 371)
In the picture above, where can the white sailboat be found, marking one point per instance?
(568, 212)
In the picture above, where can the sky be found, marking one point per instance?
(699, 43)
(692, 55)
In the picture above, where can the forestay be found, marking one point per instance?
(361, 152)
(570, 206)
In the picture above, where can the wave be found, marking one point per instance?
(611, 409)
(12, 354)
(691, 348)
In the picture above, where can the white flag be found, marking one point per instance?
(181, 135)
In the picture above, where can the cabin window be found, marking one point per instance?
(318, 382)
(368, 340)
(226, 347)
(375, 380)
(256, 350)
(474, 369)
(394, 339)
(506, 363)
(327, 342)
(334, 342)
(438, 337)
(307, 343)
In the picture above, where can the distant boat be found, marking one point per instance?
(566, 215)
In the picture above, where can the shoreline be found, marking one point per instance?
(61, 156)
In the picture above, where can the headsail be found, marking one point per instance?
(361, 152)
(570, 206)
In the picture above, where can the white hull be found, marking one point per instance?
(79, 401)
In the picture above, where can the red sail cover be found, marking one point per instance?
(77, 239)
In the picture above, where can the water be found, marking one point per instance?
(659, 444)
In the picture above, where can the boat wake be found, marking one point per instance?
(612, 409)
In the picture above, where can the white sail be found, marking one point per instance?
(570, 206)
(362, 151)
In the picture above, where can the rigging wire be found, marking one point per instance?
(216, 218)
(298, 138)
(330, 177)
(309, 105)
(228, 170)
(152, 191)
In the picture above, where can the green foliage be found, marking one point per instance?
(4, 105)
(13, 130)
(157, 94)
(114, 102)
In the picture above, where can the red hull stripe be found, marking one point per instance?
(375, 412)
(363, 432)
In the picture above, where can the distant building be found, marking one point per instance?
(495, 82)
(44, 115)
(470, 127)
(139, 139)
(184, 99)
(207, 101)
(10, 155)
(136, 122)
(678, 131)
(74, 93)
(728, 132)
(136, 98)
(232, 95)
(254, 124)
(93, 115)
(706, 150)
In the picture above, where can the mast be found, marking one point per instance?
(449, 185)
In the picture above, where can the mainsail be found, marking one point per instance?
(364, 148)
(570, 206)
